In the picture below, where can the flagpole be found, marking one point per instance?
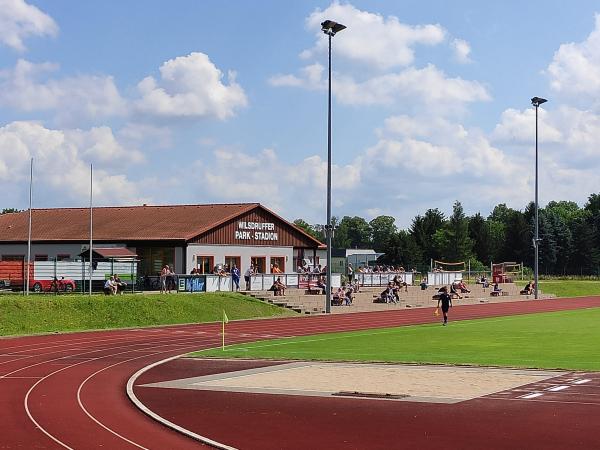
(91, 220)
(29, 230)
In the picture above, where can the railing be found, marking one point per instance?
(258, 282)
(383, 278)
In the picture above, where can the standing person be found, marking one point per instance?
(235, 277)
(247, 276)
(163, 279)
(446, 301)
(350, 273)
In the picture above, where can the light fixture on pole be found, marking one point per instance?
(330, 28)
(536, 102)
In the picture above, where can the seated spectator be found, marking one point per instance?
(338, 296)
(194, 271)
(110, 288)
(423, 284)
(454, 291)
(485, 282)
(321, 285)
(463, 287)
(275, 269)
(528, 289)
(497, 291)
(348, 296)
(120, 285)
(278, 287)
(356, 286)
(399, 282)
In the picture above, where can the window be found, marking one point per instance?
(279, 262)
(259, 263)
(204, 264)
(63, 257)
(41, 258)
(153, 259)
(231, 260)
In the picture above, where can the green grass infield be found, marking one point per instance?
(51, 313)
(557, 340)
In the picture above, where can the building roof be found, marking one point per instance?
(124, 223)
(111, 252)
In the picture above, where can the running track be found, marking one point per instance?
(68, 390)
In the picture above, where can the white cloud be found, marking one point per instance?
(61, 165)
(575, 67)
(73, 98)
(190, 86)
(518, 127)
(371, 38)
(462, 50)
(429, 85)
(19, 20)
(311, 77)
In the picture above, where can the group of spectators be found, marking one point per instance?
(167, 279)
(381, 269)
(343, 294)
(391, 294)
(114, 285)
(315, 270)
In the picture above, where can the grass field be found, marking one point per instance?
(565, 340)
(49, 313)
(568, 288)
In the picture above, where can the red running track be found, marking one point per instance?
(68, 390)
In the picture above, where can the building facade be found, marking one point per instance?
(182, 236)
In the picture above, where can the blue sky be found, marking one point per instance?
(202, 102)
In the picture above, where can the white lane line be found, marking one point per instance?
(81, 385)
(534, 395)
(557, 388)
(587, 380)
(142, 407)
(32, 388)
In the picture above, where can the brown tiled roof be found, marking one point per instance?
(128, 223)
(113, 252)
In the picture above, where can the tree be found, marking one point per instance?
(423, 229)
(480, 235)
(352, 232)
(453, 241)
(402, 250)
(307, 228)
(9, 210)
(518, 239)
(383, 230)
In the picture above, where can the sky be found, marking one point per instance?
(188, 102)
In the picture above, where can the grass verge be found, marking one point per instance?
(568, 288)
(557, 340)
(49, 313)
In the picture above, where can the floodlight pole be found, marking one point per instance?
(536, 102)
(330, 28)
(29, 228)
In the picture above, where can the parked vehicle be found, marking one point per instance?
(55, 285)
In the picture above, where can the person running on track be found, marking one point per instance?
(446, 301)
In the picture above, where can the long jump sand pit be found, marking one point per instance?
(399, 382)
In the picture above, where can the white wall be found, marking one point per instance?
(244, 252)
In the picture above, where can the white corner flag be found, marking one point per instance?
(225, 320)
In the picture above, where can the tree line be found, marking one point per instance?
(569, 245)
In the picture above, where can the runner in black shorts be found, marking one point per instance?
(446, 302)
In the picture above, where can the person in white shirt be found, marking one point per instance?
(247, 276)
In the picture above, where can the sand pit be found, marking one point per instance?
(437, 384)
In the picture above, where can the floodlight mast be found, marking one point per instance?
(536, 102)
(330, 28)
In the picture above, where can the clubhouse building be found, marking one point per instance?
(182, 236)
